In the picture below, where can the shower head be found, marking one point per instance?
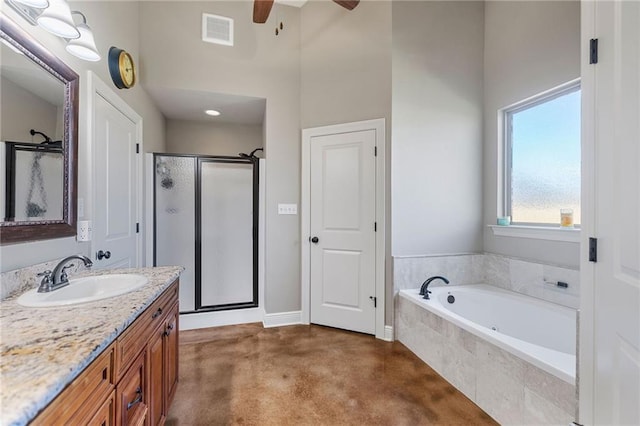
(47, 139)
(252, 154)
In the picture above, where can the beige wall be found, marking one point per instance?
(21, 111)
(190, 137)
(259, 65)
(437, 127)
(530, 46)
(113, 24)
(346, 76)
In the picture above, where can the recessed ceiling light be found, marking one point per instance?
(212, 112)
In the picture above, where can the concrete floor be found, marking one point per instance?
(309, 375)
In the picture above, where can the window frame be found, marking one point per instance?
(506, 116)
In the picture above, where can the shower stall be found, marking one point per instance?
(206, 219)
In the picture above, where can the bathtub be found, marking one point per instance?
(539, 332)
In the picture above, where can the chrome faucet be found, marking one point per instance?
(424, 290)
(58, 278)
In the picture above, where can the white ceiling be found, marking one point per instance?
(189, 105)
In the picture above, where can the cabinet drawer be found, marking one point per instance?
(135, 338)
(77, 403)
(131, 394)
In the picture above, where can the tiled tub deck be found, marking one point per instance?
(508, 388)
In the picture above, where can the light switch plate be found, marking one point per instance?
(287, 209)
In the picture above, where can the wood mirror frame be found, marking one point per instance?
(23, 231)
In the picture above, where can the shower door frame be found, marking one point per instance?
(199, 159)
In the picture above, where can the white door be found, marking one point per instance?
(115, 177)
(616, 287)
(343, 245)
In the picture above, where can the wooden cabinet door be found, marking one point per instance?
(106, 414)
(131, 394)
(155, 359)
(171, 355)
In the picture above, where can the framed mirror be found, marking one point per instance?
(39, 138)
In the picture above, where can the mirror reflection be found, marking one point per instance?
(38, 156)
(32, 114)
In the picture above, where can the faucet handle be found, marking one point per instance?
(45, 283)
(46, 274)
(63, 273)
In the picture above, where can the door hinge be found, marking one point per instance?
(375, 226)
(593, 249)
(375, 151)
(593, 51)
(375, 301)
(137, 148)
(138, 228)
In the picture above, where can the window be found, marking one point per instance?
(542, 157)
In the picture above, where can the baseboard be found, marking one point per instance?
(388, 333)
(282, 318)
(220, 318)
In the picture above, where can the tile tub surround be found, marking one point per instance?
(44, 349)
(508, 388)
(509, 273)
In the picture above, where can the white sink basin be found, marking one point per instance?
(83, 290)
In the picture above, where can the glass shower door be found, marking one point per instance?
(175, 220)
(206, 219)
(227, 223)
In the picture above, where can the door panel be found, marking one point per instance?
(617, 216)
(115, 209)
(340, 269)
(226, 226)
(343, 219)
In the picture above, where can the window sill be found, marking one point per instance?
(537, 232)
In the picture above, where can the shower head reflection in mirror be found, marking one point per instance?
(252, 154)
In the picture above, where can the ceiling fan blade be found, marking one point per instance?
(348, 4)
(261, 9)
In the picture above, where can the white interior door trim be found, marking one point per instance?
(586, 349)
(378, 125)
(96, 87)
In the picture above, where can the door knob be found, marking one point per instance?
(315, 240)
(103, 254)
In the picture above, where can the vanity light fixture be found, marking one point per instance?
(212, 112)
(83, 47)
(56, 17)
(38, 4)
(57, 20)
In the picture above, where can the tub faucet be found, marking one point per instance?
(424, 290)
(58, 278)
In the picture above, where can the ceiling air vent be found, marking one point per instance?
(217, 29)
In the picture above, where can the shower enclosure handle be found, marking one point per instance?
(315, 240)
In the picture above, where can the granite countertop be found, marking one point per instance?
(43, 349)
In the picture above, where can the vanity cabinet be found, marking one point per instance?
(133, 381)
(163, 367)
(131, 394)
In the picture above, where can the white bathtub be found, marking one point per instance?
(539, 332)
